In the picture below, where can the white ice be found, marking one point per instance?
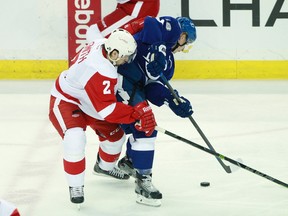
(241, 119)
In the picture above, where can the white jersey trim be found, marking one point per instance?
(122, 1)
(124, 20)
(107, 111)
(58, 115)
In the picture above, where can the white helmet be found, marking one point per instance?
(122, 41)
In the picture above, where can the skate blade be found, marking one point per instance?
(79, 207)
(149, 202)
(128, 170)
(107, 176)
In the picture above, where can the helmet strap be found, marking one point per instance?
(175, 47)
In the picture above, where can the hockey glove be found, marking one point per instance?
(145, 118)
(157, 62)
(182, 109)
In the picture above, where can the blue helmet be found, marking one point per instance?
(188, 26)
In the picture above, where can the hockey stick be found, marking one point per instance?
(220, 156)
(225, 167)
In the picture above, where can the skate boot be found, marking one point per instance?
(147, 193)
(77, 194)
(115, 172)
(126, 165)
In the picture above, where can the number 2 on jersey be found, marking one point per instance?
(106, 90)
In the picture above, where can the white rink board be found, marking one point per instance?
(41, 33)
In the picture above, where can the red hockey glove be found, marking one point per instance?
(146, 121)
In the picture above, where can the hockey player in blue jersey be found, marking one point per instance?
(140, 80)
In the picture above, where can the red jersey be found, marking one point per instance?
(91, 83)
(126, 12)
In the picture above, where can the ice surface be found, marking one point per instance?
(241, 119)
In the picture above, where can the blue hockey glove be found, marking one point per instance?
(183, 109)
(157, 62)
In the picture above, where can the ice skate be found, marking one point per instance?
(114, 173)
(77, 195)
(126, 165)
(147, 193)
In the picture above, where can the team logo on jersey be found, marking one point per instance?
(114, 131)
(168, 26)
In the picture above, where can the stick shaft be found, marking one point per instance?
(225, 167)
(220, 156)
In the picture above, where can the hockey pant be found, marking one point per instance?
(123, 14)
(71, 124)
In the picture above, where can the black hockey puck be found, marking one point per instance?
(205, 184)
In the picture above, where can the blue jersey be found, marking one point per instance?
(163, 30)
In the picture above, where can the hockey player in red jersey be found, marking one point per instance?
(84, 95)
(126, 11)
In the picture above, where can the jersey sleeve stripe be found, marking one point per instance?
(107, 110)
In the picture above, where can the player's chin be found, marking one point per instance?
(121, 63)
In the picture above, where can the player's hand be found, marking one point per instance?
(145, 118)
(157, 62)
(182, 108)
